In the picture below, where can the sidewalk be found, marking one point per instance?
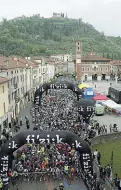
(23, 113)
(106, 185)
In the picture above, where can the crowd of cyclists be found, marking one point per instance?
(53, 161)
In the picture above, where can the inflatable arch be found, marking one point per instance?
(56, 85)
(86, 109)
(6, 153)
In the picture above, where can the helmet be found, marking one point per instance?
(61, 184)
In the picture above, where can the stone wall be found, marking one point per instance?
(106, 138)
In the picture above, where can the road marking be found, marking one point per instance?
(73, 186)
(49, 185)
(66, 185)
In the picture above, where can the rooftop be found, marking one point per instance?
(15, 62)
(116, 63)
(93, 57)
(3, 80)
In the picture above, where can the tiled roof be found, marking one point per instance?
(3, 80)
(36, 57)
(27, 63)
(93, 57)
(15, 62)
(116, 63)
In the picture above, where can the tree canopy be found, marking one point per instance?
(28, 36)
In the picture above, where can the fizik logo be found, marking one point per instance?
(31, 139)
(34, 138)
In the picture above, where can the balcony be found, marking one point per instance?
(17, 99)
(15, 86)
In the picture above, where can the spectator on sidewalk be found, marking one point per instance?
(1, 141)
(10, 134)
(20, 121)
(98, 157)
(9, 125)
(28, 126)
(95, 154)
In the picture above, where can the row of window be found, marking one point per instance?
(15, 94)
(94, 69)
(17, 79)
(16, 71)
(42, 70)
(96, 63)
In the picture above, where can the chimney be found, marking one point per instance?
(17, 61)
(92, 53)
(6, 62)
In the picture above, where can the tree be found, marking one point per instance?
(112, 56)
(108, 55)
(34, 35)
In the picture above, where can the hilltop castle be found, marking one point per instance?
(59, 15)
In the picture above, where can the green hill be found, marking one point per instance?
(36, 35)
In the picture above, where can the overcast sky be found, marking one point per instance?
(103, 14)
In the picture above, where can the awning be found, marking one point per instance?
(81, 86)
(100, 97)
(111, 104)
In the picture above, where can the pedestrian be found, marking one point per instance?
(9, 125)
(28, 126)
(95, 154)
(1, 141)
(98, 157)
(20, 121)
(10, 134)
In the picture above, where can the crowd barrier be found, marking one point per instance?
(108, 183)
(105, 138)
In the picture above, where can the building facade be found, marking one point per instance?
(62, 57)
(50, 71)
(3, 102)
(91, 66)
(19, 72)
(23, 77)
(115, 69)
(61, 66)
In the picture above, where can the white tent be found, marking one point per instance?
(111, 104)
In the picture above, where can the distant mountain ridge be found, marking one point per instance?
(32, 36)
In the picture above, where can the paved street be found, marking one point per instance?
(101, 86)
(43, 185)
(49, 185)
(106, 119)
(109, 119)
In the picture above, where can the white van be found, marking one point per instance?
(99, 109)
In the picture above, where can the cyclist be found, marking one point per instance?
(1, 184)
(61, 186)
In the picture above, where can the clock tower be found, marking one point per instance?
(78, 58)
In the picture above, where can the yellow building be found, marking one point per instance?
(3, 102)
